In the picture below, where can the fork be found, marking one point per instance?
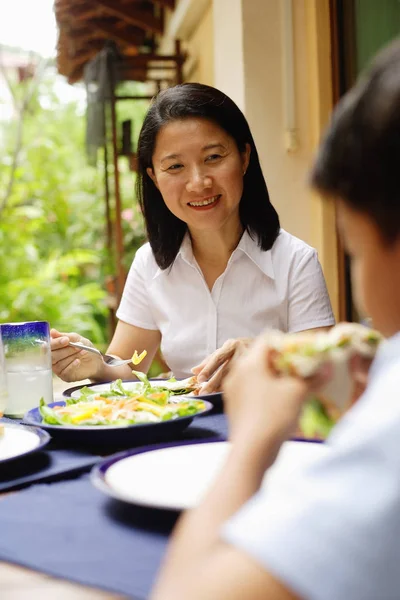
(109, 360)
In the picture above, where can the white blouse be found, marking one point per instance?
(283, 288)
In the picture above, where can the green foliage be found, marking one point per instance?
(53, 260)
(52, 225)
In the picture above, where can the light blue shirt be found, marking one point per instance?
(334, 532)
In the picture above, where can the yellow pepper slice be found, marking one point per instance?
(84, 415)
(137, 358)
(158, 411)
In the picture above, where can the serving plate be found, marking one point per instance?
(20, 440)
(112, 434)
(74, 392)
(177, 477)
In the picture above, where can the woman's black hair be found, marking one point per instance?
(359, 158)
(165, 231)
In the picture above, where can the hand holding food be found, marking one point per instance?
(348, 347)
(265, 392)
(213, 369)
(261, 406)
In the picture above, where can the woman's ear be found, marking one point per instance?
(150, 173)
(246, 158)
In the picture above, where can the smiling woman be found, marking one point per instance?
(202, 183)
(217, 265)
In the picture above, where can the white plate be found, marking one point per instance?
(18, 440)
(177, 477)
(105, 387)
(128, 385)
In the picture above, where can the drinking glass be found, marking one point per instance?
(3, 380)
(28, 365)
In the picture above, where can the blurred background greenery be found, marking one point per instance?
(53, 261)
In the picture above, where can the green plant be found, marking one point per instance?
(52, 218)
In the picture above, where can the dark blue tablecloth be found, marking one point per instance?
(61, 462)
(53, 462)
(71, 530)
(48, 465)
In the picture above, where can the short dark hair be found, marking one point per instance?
(359, 158)
(165, 231)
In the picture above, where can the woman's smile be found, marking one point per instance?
(198, 169)
(205, 203)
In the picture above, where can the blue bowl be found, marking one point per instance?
(116, 435)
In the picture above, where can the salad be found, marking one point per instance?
(303, 354)
(120, 407)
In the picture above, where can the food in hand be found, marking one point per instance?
(137, 358)
(302, 355)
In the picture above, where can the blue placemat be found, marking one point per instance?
(8, 420)
(72, 531)
(213, 426)
(48, 465)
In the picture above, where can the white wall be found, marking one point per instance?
(248, 46)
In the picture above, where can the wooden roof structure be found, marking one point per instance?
(86, 25)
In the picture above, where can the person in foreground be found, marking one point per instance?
(334, 531)
(217, 265)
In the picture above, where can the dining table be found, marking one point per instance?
(63, 538)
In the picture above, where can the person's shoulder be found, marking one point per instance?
(144, 260)
(288, 247)
(144, 252)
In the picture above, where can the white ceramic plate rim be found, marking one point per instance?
(41, 438)
(100, 387)
(101, 481)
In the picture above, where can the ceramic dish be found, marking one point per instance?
(112, 435)
(177, 477)
(19, 440)
(74, 392)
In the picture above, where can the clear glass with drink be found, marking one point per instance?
(3, 380)
(28, 365)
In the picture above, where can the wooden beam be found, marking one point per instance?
(179, 71)
(132, 67)
(85, 54)
(133, 16)
(85, 14)
(119, 238)
(140, 75)
(79, 12)
(166, 3)
(125, 36)
(137, 97)
(132, 74)
(75, 75)
(81, 36)
(143, 60)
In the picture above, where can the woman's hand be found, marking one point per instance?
(213, 369)
(72, 364)
(260, 405)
